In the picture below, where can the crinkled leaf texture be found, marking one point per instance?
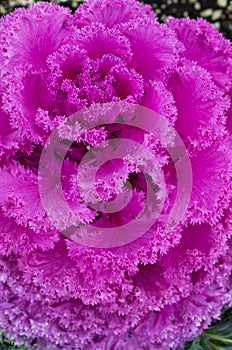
(161, 289)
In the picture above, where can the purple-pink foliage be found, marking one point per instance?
(160, 290)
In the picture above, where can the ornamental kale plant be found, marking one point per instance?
(59, 73)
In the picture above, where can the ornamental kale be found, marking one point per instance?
(161, 288)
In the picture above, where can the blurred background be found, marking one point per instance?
(218, 12)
